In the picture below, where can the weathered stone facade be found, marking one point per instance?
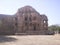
(6, 24)
(26, 21)
(29, 21)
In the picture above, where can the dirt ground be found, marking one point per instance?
(30, 40)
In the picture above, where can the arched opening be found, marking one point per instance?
(44, 21)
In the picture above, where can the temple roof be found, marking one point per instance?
(27, 9)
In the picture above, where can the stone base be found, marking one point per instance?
(32, 33)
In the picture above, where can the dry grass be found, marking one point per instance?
(34, 40)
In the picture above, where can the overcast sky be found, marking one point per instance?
(51, 8)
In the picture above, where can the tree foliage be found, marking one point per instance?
(54, 28)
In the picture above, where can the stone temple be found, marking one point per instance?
(26, 21)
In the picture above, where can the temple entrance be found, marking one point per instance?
(34, 27)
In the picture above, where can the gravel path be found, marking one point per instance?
(30, 40)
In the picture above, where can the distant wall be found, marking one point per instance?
(6, 24)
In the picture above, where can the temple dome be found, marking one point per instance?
(27, 9)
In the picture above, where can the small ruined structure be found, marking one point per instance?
(6, 24)
(26, 21)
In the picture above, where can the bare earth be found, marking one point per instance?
(30, 40)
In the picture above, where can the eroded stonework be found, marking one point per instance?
(26, 21)
(29, 21)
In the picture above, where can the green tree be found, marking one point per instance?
(55, 28)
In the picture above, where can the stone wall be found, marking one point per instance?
(29, 20)
(6, 24)
(26, 21)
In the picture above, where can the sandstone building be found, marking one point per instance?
(26, 21)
